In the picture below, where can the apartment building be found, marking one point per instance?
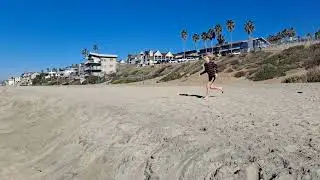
(100, 64)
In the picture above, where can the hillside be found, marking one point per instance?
(295, 64)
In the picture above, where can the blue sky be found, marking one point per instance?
(36, 34)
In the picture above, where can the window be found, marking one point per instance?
(111, 65)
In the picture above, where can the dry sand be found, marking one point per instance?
(253, 131)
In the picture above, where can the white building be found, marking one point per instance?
(11, 81)
(68, 72)
(122, 62)
(34, 75)
(150, 57)
(14, 81)
(101, 64)
(27, 77)
(51, 74)
(17, 80)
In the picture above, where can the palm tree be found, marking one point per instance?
(204, 38)
(218, 29)
(249, 28)
(221, 40)
(48, 70)
(230, 27)
(84, 53)
(195, 39)
(184, 36)
(95, 48)
(211, 36)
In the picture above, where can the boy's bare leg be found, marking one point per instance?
(213, 87)
(207, 90)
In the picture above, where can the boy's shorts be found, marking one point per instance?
(212, 78)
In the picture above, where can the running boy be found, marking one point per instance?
(211, 69)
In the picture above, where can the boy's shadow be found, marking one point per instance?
(194, 95)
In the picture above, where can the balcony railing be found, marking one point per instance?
(92, 62)
(93, 68)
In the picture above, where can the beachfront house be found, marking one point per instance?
(70, 71)
(14, 81)
(142, 58)
(193, 54)
(150, 57)
(132, 59)
(11, 81)
(4, 83)
(51, 74)
(27, 77)
(243, 46)
(17, 80)
(157, 58)
(100, 64)
(74, 70)
(34, 75)
(169, 56)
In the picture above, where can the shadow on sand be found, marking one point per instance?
(194, 95)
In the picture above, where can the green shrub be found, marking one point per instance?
(255, 57)
(221, 67)
(172, 76)
(184, 69)
(229, 70)
(251, 71)
(235, 67)
(250, 66)
(295, 79)
(196, 70)
(75, 82)
(92, 79)
(159, 72)
(268, 72)
(239, 74)
(234, 62)
(313, 75)
(293, 49)
(313, 61)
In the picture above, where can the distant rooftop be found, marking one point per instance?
(103, 55)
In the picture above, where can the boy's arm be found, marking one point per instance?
(215, 66)
(204, 70)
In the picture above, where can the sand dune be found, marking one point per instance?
(253, 131)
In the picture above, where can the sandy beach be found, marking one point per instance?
(253, 131)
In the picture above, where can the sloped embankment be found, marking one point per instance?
(257, 66)
(167, 72)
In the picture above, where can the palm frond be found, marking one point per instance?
(230, 25)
